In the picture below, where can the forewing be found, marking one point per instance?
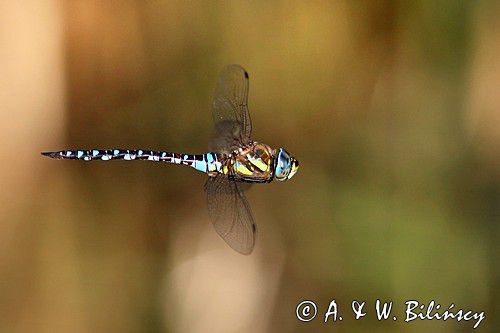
(230, 213)
(230, 109)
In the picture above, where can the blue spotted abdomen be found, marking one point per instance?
(208, 163)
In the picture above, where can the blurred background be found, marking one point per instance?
(392, 108)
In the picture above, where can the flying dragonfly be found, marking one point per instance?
(234, 159)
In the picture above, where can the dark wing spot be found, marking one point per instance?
(254, 228)
(246, 74)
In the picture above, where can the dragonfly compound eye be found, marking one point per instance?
(283, 165)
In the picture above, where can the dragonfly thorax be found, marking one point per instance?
(259, 163)
(251, 163)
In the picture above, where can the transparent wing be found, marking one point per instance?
(233, 126)
(230, 213)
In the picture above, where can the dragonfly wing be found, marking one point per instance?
(226, 137)
(233, 125)
(230, 213)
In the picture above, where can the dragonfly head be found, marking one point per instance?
(286, 165)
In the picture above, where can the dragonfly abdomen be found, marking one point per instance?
(208, 163)
(110, 154)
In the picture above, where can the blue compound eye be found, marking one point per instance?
(283, 165)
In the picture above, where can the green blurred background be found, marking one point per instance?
(392, 108)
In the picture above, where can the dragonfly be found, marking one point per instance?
(233, 161)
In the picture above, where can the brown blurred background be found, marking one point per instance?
(392, 108)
